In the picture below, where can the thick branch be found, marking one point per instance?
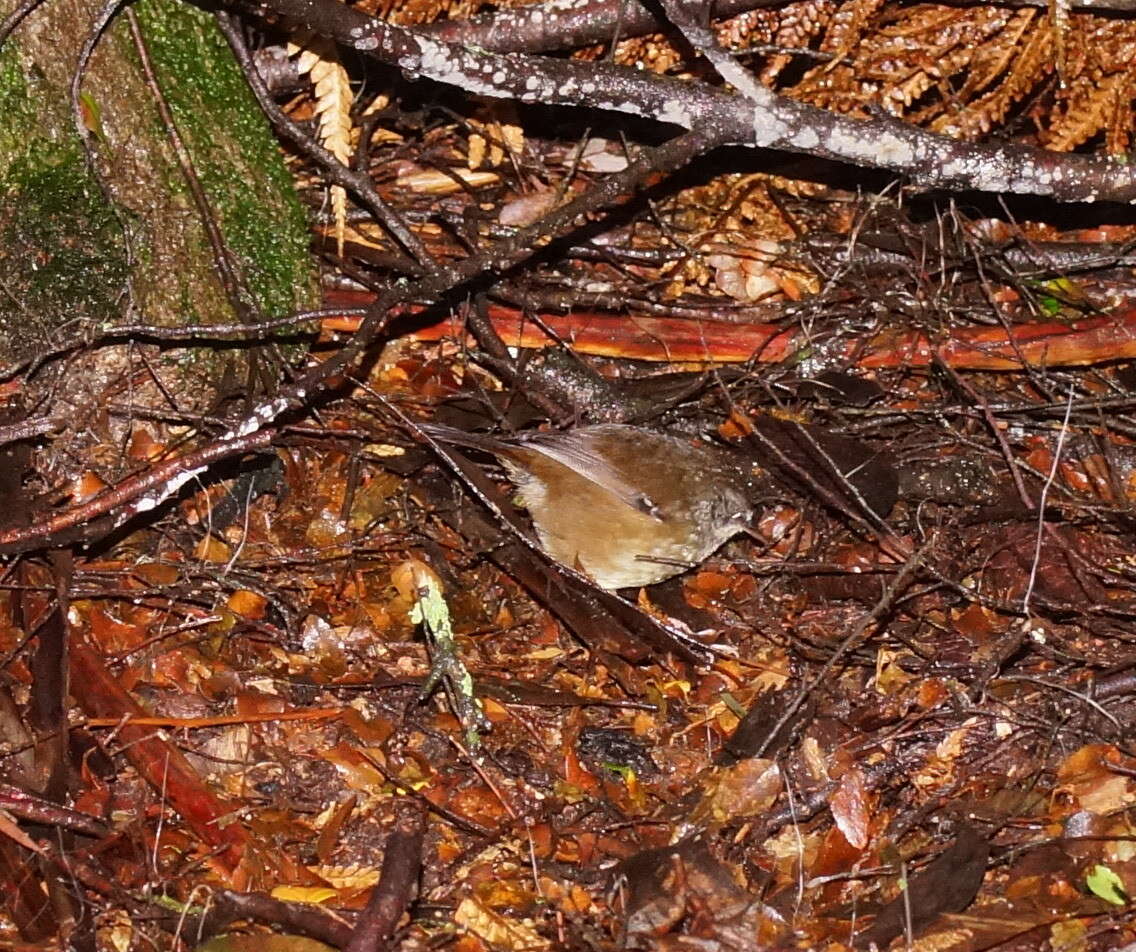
(398, 881)
(770, 121)
(563, 24)
(566, 24)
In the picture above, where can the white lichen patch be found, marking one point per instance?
(807, 139)
(885, 150)
(676, 112)
(769, 128)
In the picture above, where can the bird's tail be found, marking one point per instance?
(455, 437)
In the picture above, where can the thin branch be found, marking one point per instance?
(15, 18)
(336, 171)
(236, 289)
(137, 494)
(398, 881)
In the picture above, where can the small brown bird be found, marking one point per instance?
(627, 505)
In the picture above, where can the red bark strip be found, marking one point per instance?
(159, 763)
(1074, 344)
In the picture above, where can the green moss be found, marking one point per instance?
(62, 256)
(16, 107)
(233, 152)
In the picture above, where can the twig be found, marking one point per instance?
(852, 638)
(1041, 504)
(300, 917)
(16, 17)
(402, 861)
(38, 810)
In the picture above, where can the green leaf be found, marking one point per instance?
(92, 114)
(627, 773)
(1105, 884)
(732, 703)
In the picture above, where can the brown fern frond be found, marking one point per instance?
(1088, 110)
(750, 28)
(1060, 12)
(1024, 69)
(333, 96)
(946, 49)
(961, 71)
(997, 59)
(1119, 133)
(897, 64)
(847, 28)
(798, 25)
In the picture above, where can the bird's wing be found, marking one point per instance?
(575, 454)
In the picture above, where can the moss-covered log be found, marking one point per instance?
(129, 239)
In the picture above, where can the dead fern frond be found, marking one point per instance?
(1060, 12)
(963, 71)
(319, 58)
(1088, 110)
(850, 23)
(1022, 69)
(996, 62)
(799, 24)
(1098, 94)
(1118, 134)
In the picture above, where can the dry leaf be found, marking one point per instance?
(497, 930)
(850, 804)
